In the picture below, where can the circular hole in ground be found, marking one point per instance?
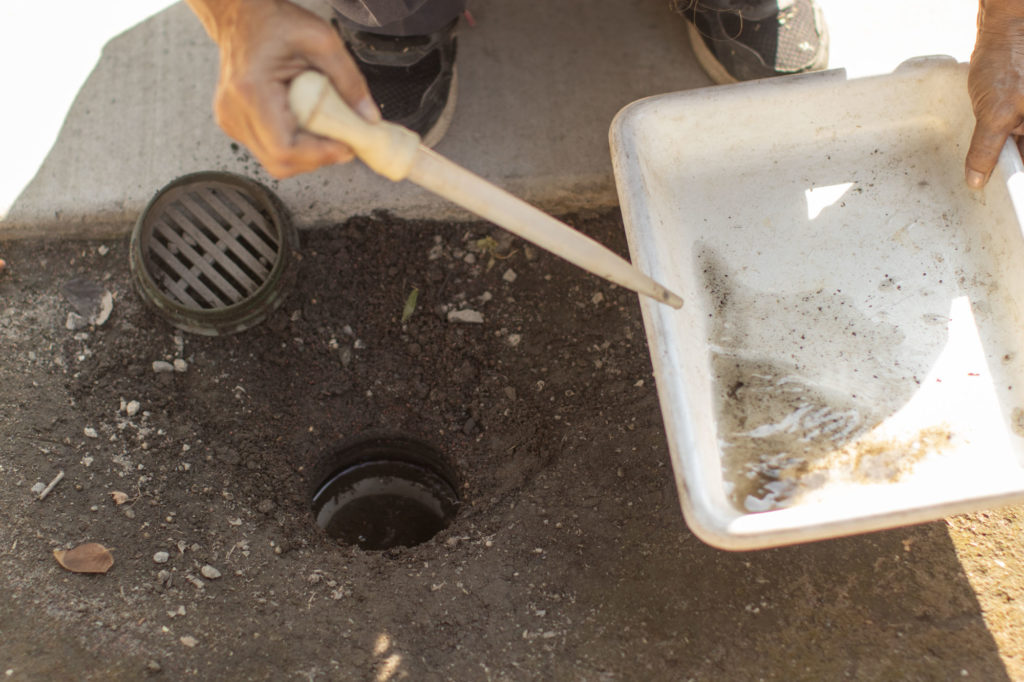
(380, 492)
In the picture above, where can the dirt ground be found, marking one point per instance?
(569, 559)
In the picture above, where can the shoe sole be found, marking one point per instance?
(444, 121)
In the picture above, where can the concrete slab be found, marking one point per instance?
(539, 85)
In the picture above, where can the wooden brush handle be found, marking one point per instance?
(387, 148)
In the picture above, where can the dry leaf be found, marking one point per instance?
(119, 497)
(91, 557)
(410, 305)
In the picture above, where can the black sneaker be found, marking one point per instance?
(412, 78)
(741, 40)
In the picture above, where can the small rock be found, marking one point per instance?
(132, 408)
(469, 258)
(345, 355)
(209, 572)
(103, 249)
(180, 365)
(265, 507)
(106, 307)
(161, 557)
(90, 432)
(597, 298)
(514, 339)
(189, 641)
(153, 667)
(529, 252)
(75, 321)
(467, 316)
(510, 392)
(92, 303)
(162, 367)
(510, 275)
(38, 488)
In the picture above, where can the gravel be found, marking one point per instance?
(209, 572)
(466, 316)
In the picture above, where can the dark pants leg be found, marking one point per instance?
(398, 17)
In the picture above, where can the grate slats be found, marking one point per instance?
(228, 242)
(184, 272)
(200, 264)
(216, 252)
(231, 203)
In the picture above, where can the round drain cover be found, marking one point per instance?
(211, 253)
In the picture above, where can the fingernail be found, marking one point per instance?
(368, 110)
(975, 180)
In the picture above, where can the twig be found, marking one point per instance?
(53, 484)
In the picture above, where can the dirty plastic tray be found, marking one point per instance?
(849, 355)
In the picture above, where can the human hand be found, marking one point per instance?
(264, 44)
(995, 83)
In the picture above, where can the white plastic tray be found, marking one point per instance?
(849, 356)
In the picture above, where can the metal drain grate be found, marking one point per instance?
(210, 246)
(211, 253)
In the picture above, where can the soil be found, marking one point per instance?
(569, 558)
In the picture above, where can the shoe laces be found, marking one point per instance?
(691, 8)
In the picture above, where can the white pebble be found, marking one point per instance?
(189, 641)
(467, 316)
(180, 365)
(162, 367)
(132, 408)
(90, 432)
(38, 488)
(161, 557)
(514, 339)
(209, 572)
(75, 321)
(509, 276)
